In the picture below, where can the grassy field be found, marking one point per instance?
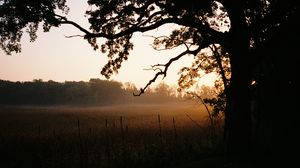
(111, 136)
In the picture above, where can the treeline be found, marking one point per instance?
(93, 92)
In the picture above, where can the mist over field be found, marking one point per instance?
(100, 124)
(27, 118)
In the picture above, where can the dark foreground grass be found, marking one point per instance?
(103, 137)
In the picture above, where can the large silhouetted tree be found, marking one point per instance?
(237, 29)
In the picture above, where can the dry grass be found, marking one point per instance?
(102, 136)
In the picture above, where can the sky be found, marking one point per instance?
(54, 57)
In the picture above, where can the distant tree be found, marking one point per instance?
(163, 89)
(130, 86)
(240, 29)
(37, 92)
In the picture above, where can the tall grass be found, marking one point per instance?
(100, 140)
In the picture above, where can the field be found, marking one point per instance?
(111, 136)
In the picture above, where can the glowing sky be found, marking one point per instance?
(54, 57)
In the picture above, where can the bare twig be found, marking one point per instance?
(195, 122)
(74, 36)
(153, 69)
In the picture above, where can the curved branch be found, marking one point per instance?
(167, 65)
(215, 35)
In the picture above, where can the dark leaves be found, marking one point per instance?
(117, 51)
(15, 15)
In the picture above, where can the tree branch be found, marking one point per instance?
(166, 67)
(184, 22)
(77, 26)
(218, 57)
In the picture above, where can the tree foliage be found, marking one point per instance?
(17, 16)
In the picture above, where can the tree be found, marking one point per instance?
(238, 29)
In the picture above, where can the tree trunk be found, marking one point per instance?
(238, 115)
(238, 133)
